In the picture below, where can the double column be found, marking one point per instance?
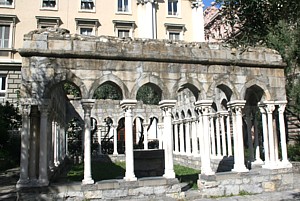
(198, 21)
(127, 106)
(147, 18)
(204, 107)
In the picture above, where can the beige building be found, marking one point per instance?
(171, 19)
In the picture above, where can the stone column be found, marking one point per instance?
(181, 137)
(51, 143)
(194, 138)
(200, 133)
(127, 106)
(145, 125)
(147, 18)
(285, 162)
(166, 106)
(34, 131)
(218, 136)
(224, 147)
(99, 139)
(212, 135)
(25, 132)
(249, 134)
(239, 159)
(115, 127)
(87, 105)
(258, 160)
(188, 136)
(160, 135)
(43, 159)
(265, 134)
(270, 107)
(204, 106)
(176, 151)
(228, 135)
(198, 21)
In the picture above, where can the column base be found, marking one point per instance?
(239, 169)
(207, 172)
(285, 164)
(115, 153)
(23, 183)
(132, 178)
(257, 162)
(170, 174)
(87, 181)
(43, 182)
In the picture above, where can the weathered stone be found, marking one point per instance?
(269, 186)
(93, 194)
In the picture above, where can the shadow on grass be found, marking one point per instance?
(187, 175)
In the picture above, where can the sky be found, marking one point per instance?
(207, 2)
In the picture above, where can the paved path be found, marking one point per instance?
(8, 192)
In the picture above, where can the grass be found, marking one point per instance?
(108, 170)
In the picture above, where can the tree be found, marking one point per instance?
(107, 91)
(149, 94)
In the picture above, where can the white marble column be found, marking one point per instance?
(265, 134)
(87, 105)
(198, 21)
(194, 138)
(239, 165)
(99, 139)
(181, 137)
(204, 106)
(166, 106)
(176, 146)
(223, 136)
(25, 132)
(228, 132)
(218, 137)
(147, 19)
(127, 106)
(200, 133)
(258, 160)
(114, 127)
(160, 135)
(188, 136)
(145, 125)
(43, 158)
(270, 107)
(249, 133)
(212, 135)
(281, 107)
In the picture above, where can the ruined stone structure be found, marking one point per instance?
(213, 97)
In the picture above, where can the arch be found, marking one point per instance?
(192, 84)
(109, 91)
(63, 78)
(266, 95)
(149, 93)
(147, 79)
(112, 79)
(224, 85)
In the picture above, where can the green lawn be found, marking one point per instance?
(107, 170)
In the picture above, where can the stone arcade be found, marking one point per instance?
(213, 98)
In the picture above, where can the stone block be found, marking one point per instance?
(60, 45)
(111, 194)
(93, 194)
(12, 76)
(152, 181)
(231, 189)
(41, 45)
(269, 186)
(141, 190)
(287, 179)
(159, 190)
(40, 37)
(251, 188)
(84, 46)
(107, 184)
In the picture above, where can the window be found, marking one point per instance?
(4, 36)
(6, 3)
(49, 4)
(124, 29)
(123, 6)
(87, 5)
(173, 7)
(45, 22)
(2, 85)
(175, 31)
(87, 27)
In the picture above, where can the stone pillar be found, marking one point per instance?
(200, 133)
(34, 131)
(147, 19)
(87, 105)
(56, 144)
(115, 127)
(176, 147)
(258, 160)
(145, 136)
(99, 139)
(51, 143)
(281, 108)
(25, 132)
(265, 134)
(181, 137)
(43, 159)
(166, 106)
(218, 137)
(228, 134)
(236, 107)
(187, 137)
(204, 106)
(249, 134)
(270, 107)
(160, 135)
(127, 106)
(194, 138)
(198, 21)
(212, 135)
(224, 147)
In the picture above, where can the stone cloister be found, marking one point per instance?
(216, 101)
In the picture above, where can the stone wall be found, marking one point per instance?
(253, 182)
(13, 85)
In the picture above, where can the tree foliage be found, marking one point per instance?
(149, 94)
(108, 91)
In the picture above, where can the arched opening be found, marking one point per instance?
(149, 93)
(108, 90)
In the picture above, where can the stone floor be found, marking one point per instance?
(8, 192)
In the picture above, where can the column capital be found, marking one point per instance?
(222, 113)
(128, 104)
(269, 106)
(204, 106)
(281, 105)
(167, 104)
(87, 104)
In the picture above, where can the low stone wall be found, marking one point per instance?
(296, 167)
(253, 182)
(144, 188)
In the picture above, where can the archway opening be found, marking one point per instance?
(108, 90)
(149, 93)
